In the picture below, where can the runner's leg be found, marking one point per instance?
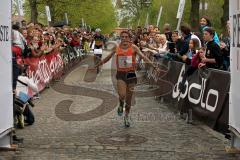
(99, 60)
(121, 87)
(129, 95)
(96, 61)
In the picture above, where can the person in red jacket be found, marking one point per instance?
(75, 42)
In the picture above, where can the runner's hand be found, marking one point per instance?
(111, 45)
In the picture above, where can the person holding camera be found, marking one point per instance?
(23, 100)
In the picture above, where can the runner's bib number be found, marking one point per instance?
(125, 61)
(98, 51)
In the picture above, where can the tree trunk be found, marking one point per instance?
(33, 10)
(194, 14)
(225, 16)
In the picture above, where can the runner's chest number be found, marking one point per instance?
(125, 61)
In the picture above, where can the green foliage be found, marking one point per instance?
(96, 13)
(169, 13)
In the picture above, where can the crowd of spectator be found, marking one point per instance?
(199, 49)
(35, 40)
(202, 49)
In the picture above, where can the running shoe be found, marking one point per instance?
(126, 121)
(120, 109)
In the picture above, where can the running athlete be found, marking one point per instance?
(99, 42)
(126, 53)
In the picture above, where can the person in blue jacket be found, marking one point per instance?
(186, 34)
(206, 23)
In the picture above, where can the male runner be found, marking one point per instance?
(126, 53)
(99, 42)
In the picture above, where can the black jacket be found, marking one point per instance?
(213, 51)
(185, 46)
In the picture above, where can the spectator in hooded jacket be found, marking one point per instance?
(206, 23)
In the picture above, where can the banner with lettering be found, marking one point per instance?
(45, 68)
(206, 92)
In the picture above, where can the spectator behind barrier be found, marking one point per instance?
(193, 46)
(160, 44)
(151, 38)
(186, 33)
(138, 35)
(225, 47)
(195, 61)
(206, 23)
(157, 45)
(25, 35)
(144, 41)
(213, 57)
(178, 50)
(47, 46)
(75, 42)
(176, 44)
(168, 32)
(35, 46)
(150, 28)
(159, 48)
(156, 29)
(195, 36)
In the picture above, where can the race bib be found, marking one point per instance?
(125, 62)
(98, 51)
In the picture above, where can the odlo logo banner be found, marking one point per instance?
(196, 98)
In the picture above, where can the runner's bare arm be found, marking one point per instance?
(106, 59)
(146, 59)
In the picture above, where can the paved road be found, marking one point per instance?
(74, 123)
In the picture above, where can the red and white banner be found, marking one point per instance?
(45, 68)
